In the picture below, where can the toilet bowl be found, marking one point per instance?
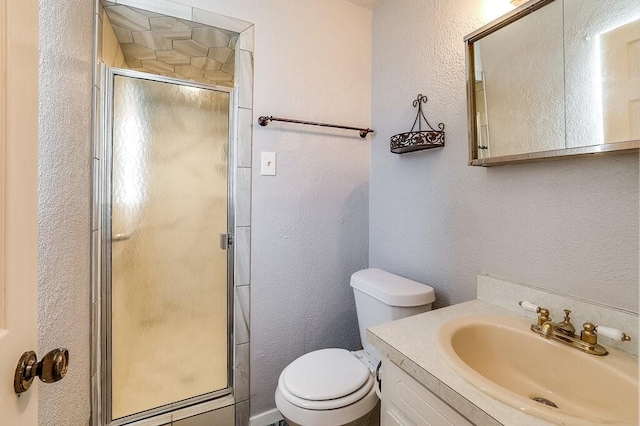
(335, 387)
(326, 387)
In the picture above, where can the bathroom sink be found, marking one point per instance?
(502, 357)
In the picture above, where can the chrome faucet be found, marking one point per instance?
(565, 333)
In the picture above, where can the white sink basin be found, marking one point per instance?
(504, 358)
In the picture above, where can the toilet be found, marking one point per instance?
(335, 387)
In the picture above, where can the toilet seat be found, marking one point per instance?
(326, 379)
(329, 404)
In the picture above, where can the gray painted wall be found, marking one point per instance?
(66, 28)
(566, 225)
(310, 221)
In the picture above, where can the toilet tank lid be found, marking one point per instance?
(392, 289)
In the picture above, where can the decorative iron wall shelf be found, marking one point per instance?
(420, 139)
(264, 120)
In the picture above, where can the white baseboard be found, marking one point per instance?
(265, 418)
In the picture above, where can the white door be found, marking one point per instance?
(18, 203)
(620, 61)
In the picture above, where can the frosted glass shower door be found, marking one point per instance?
(169, 328)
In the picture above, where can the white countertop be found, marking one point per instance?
(410, 343)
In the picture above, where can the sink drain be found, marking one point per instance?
(544, 401)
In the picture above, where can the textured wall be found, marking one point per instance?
(309, 223)
(566, 225)
(66, 29)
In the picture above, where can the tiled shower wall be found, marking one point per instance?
(242, 279)
(157, 44)
(242, 137)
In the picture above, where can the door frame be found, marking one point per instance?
(19, 139)
(102, 319)
(3, 135)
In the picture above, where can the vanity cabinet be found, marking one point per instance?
(405, 402)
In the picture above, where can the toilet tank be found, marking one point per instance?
(382, 297)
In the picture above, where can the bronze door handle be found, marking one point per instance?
(50, 369)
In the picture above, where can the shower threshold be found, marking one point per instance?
(221, 409)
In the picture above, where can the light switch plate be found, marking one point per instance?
(268, 163)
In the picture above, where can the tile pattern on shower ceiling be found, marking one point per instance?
(172, 47)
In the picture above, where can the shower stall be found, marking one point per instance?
(166, 263)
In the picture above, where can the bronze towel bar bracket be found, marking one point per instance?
(264, 120)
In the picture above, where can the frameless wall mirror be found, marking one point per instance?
(554, 78)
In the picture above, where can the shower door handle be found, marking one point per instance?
(226, 240)
(120, 237)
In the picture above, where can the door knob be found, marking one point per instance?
(50, 369)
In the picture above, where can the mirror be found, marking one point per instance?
(555, 78)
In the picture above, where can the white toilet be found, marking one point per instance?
(335, 387)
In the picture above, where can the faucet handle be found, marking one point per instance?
(589, 335)
(528, 306)
(543, 316)
(543, 312)
(612, 333)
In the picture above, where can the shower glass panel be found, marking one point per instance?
(169, 303)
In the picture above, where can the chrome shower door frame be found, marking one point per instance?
(104, 317)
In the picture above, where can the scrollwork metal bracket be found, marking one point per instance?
(420, 139)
